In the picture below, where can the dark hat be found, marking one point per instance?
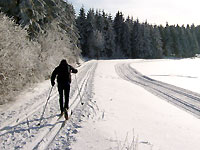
(63, 62)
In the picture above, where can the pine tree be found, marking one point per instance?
(197, 33)
(99, 23)
(109, 36)
(176, 47)
(96, 45)
(90, 28)
(156, 44)
(126, 37)
(195, 44)
(134, 39)
(81, 25)
(167, 41)
(146, 48)
(118, 28)
(184, 41)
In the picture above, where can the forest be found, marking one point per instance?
(101, 36)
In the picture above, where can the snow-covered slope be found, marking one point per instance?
(121, 109)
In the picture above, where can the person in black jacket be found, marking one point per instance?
(63, 73)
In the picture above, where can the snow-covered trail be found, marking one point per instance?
(128, 112)
(18, 123)
(120, 104)
(186, 99)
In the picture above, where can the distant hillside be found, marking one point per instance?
(41, 34)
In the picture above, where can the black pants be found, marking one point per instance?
(66, 89)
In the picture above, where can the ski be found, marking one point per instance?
(65, 114)
(60, 116)
(67, 117)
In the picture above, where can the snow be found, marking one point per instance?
(128, 107)
(117, 114)
(182, 73)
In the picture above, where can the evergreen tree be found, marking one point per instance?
(126, 37)
(81, 25)
(167, 41)
(195, 44)
(90, 28)
(197, 33)
(156, 44)
(146, 48)
(118, 28)
(176, 48)
(134, 39)
(182, 40)
(109, 36)
(96, 45)
(185, 42)
(99, 22)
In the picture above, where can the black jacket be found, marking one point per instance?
(63, 73)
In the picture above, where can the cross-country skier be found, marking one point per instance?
(63, 73)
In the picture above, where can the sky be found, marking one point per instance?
(154, 11)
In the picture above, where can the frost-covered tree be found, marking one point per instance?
(96, 41)
(18, 59)
(29, 54)
(90, 28)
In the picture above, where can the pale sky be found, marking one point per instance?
(154, 11)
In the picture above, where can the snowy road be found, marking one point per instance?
(18, 123)
(188, 100)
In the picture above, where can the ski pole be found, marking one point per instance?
(45, 106)
(79, 91)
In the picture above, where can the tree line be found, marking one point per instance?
(102, 36)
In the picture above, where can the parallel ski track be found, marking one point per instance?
(185, 99)
(44, 141)
(9, 126)
(33, 108)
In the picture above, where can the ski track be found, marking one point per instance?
(19, 130)
(185, 99)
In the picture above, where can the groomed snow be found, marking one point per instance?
(128, 108)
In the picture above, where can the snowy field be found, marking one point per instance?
(182, 73)
(127, 105)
